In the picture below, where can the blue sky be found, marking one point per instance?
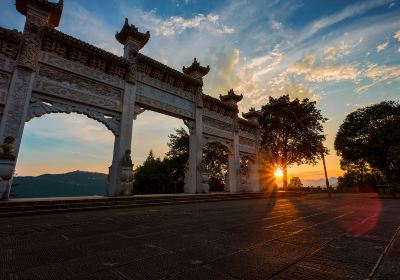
(343, 54)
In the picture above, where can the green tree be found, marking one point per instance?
(177, 158)
(291, 132)
(372, 135)
(151, 176)
(215, 157)
(295, 183)
(168, 175)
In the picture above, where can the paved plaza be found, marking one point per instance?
(311, 237)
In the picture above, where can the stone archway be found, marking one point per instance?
(43, 70)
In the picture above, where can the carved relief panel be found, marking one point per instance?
(161, 101)
(53, 81)
(4, 84)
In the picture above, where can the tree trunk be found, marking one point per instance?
(284, 177)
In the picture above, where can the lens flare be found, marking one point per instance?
(278, 173)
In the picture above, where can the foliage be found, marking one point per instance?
(371, 135)
(291, 132)
(168, 175)
(295, 183)
(215, 157)
(152, 176)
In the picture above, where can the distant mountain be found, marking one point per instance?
(320, 182)
(76, 183)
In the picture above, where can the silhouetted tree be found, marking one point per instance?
(295, 183)
(291, 132)
(168, 175)
(215, 157)
(372, 135)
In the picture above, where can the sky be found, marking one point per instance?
(342, 54)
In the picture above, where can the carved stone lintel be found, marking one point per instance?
(38, 108)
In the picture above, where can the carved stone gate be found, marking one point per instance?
(45, 71)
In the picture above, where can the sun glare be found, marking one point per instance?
(278, 172)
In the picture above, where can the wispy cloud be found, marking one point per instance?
(348, 12)
(339, 50)
(177, 25)
(382, 46)
(397, 36)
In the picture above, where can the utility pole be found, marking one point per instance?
(326, 175)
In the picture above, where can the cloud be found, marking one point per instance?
(397, 36)
(176, 25)
(224, 75)
(316, 73)
(378, 74)
(350, 11)
(383, 72)
(382, 46)
(339, 50)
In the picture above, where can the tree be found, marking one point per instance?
(295, 183)
(168, 175)
(177, 158)
(291, 132)
(215, 156)
(372, 135)
(151, 176)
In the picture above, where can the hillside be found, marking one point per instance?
(76, 183)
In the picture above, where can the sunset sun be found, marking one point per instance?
(278, 173)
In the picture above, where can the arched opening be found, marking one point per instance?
(159, 167)
(215, 158)
(63, 155)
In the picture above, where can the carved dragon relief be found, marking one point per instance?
(38, 107)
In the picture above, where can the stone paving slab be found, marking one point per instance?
(279, 238)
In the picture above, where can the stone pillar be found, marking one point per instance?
(234, 165)
(38, 15)
(122, 142)
(133, 41)
(193, 178)
(255, 175)
(193, 175)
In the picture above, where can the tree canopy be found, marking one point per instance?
(291, 132)
(295, 183)
(167, 175)
(372, 135)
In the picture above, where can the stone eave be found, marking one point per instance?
(252, 113)
(145, 59)
(231, 96)
(10, 35)
(55, 9)
(95, 51)
(131, 31)
(196, 67)
(247, 123)
(219, 103)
